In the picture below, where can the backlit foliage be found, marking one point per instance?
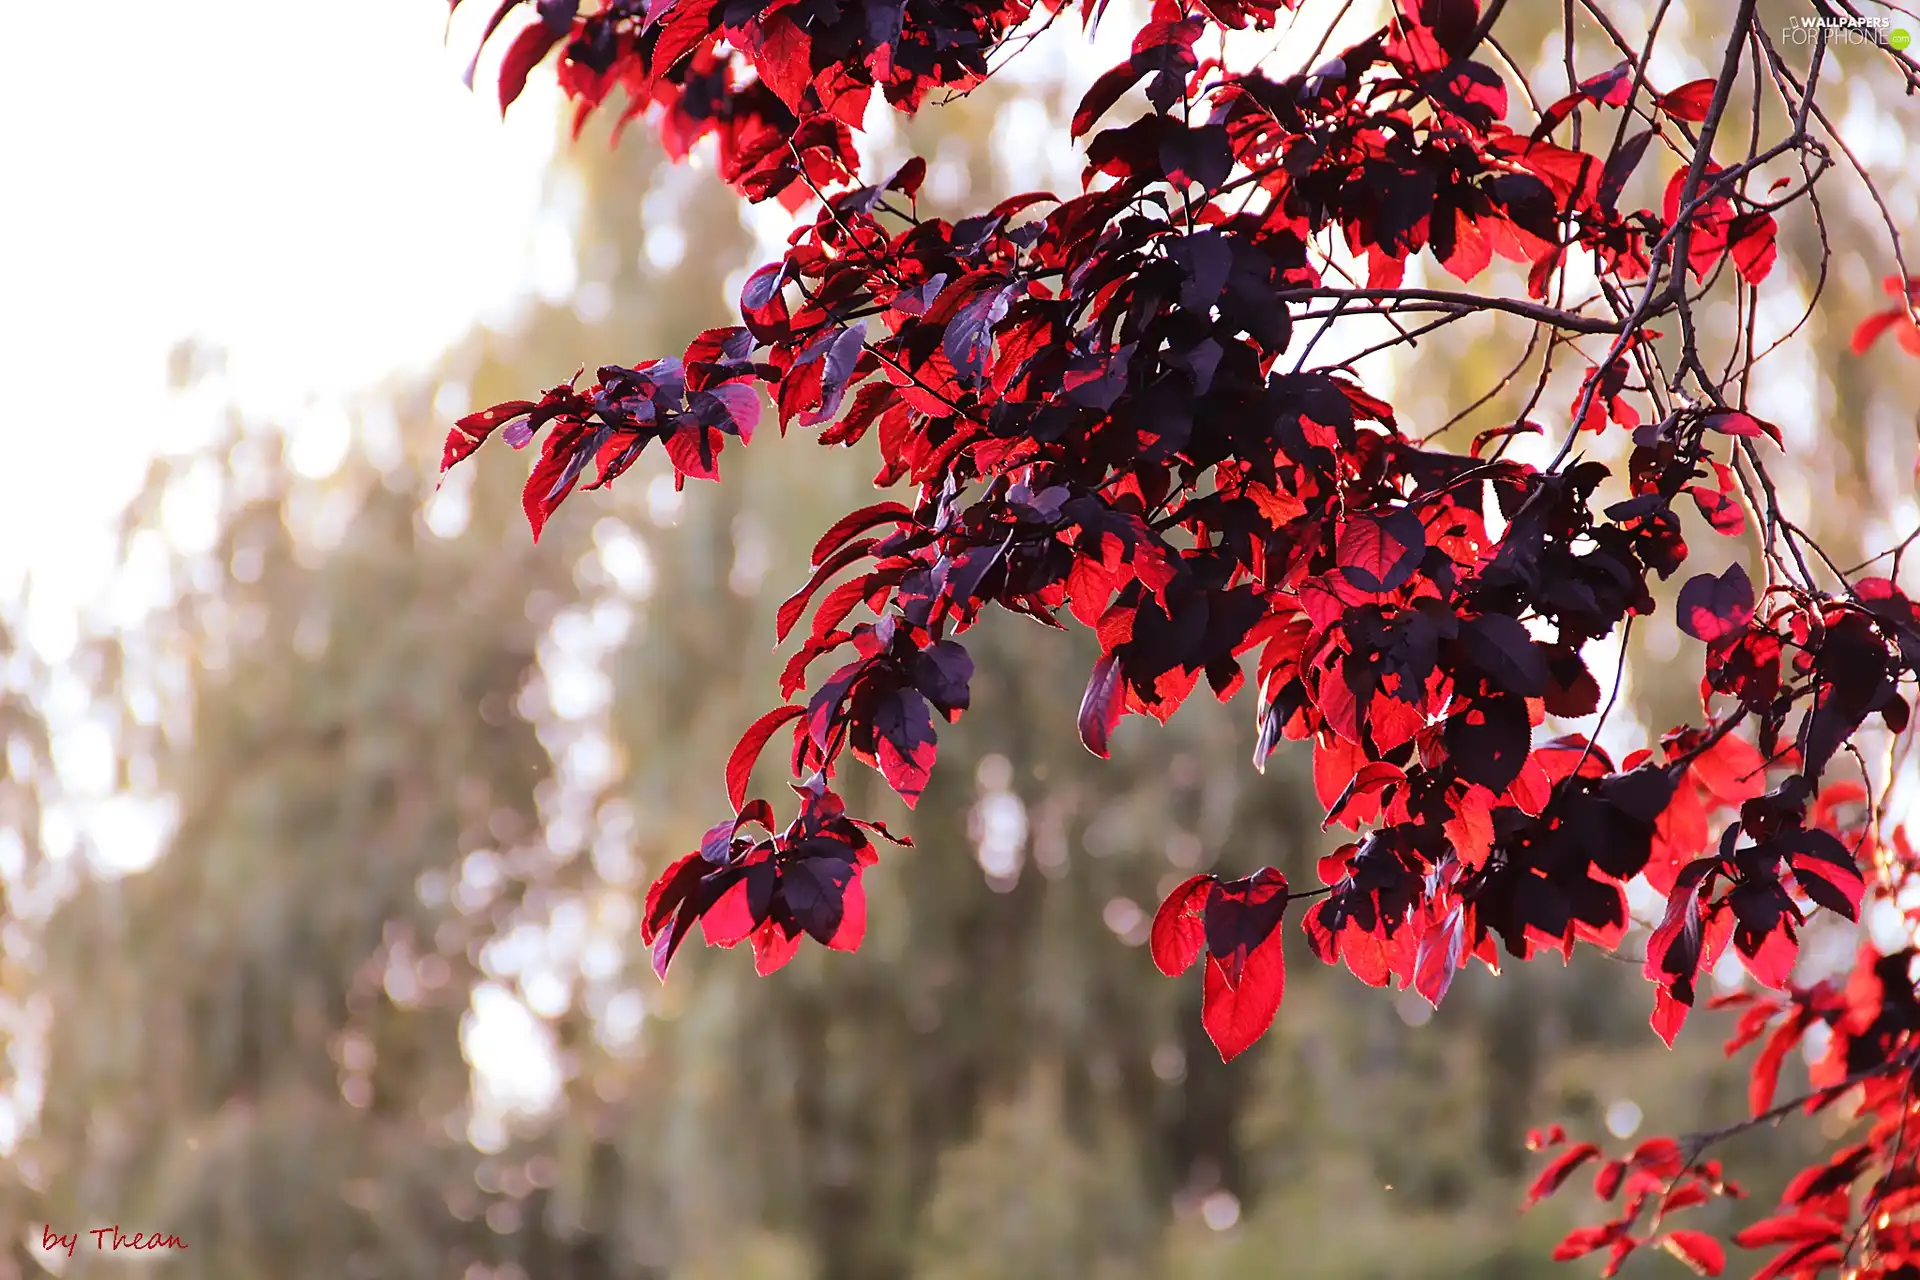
(1104, 408)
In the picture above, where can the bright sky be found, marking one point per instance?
(322, 198)
(313, 191)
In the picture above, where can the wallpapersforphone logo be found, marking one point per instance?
(1806, 29)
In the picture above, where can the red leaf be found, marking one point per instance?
(903, 724)
(763, 308)
(1771, 963)
(1236, 1016)
(1873, 326)
(796, 604)
(1659, 1157)
(734, 404)
(1689, 102)
(1753, 1022)
(1734, 423)
(853, 919)
(553, 476)
(1732, 769)
(1438, 959)
(728, 921)
(1611, 87)
(1721, 509)
(1788, 1229)
(1379, 553)
(522, 56)
(667, 891)
(751, 744)
(1711, 214)
(1684, 1195)
(695, 451)
(1178, 931)
(1551, 1137)
(1360, 801)
(1606, 1183)
(832, 612)
(1558, 1170)
(1669, 1015)
(1673, 952)
(908, 177)
(1620, 166)
(1550, 118)
(880, 829)
(772, 947)
(783, 58)
(1909, 337)
(493, 25)
(1751, 238)
(1336, 763)
(1766, 1067)
(1700, 1251)
(1828, 872)
(1384, 271)
(1106, 91)
(857, 522)
(471, 431)
(668, 940)
(1241, 917)
(1582, 1241)
(1803, 1260)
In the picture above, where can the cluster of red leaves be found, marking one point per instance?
(1655, 1175)
(689, 406)
(1237, 924)
(1103, 371)
(767, 889)
(780, 84)
(1855, 1206)
(1088, 398)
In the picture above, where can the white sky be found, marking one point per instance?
(322, 197)
(312, 190)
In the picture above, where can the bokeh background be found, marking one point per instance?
(327, 800)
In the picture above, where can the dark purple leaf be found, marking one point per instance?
(969, 340)
(942, 672)
(1240, 916)
(1512, 659)
(1489, 740)
(1711, 608)
(1102, 704)
(1613, 179)
(814, 889)
(734, 407)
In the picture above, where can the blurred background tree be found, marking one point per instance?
(379, 1009)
